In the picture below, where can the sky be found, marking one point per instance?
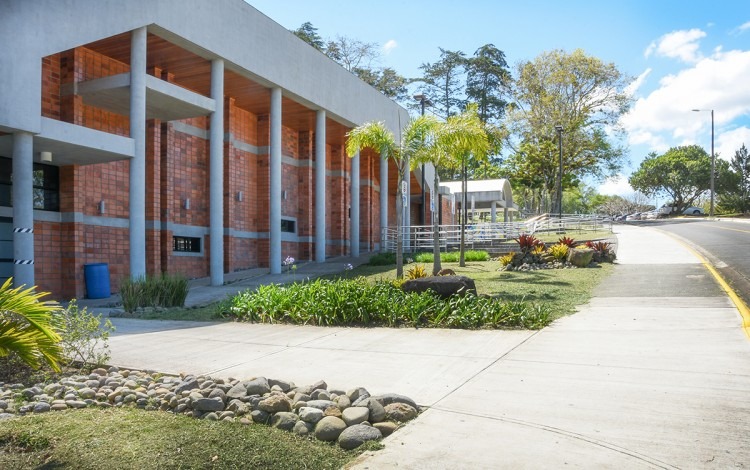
(682, 55)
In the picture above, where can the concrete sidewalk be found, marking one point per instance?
(639, 378)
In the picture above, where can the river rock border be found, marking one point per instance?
(350, 417)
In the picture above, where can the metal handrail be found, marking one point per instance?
(489, 234)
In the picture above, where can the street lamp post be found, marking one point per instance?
(559, 130)
(713, 162)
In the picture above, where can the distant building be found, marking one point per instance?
(482, 197)
(178, 136)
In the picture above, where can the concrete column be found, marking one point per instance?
(216, 172)
(275, 252)
(23, 209)
(493, 212)
(505, 214)
(138, 162)
(320, 186)
(355, 206)
(383, 199)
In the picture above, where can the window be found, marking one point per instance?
(186, 244)
(288, 226)
(46, 183)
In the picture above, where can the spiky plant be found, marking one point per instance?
(28, 326)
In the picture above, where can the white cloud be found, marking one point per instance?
(681, 45)
(389, 46)
(729, 142)
(616, 186)
(633, 87)
(664, 117)
(741, 28)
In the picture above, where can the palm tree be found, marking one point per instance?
(28, 327)
(452, 144)
(376, 136)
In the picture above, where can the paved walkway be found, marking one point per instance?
(653, 373)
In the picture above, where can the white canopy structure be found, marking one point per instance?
(483, 195)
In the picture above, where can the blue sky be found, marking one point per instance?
(683, 54)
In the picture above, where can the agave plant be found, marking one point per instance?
(28, 327)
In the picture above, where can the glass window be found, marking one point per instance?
(186, 244)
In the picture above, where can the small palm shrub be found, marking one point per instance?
(29, 327)
(165, 290)
(559, 252)
(415, 272)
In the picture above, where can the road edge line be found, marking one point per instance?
(741, 306)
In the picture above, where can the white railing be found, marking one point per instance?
(488, 235)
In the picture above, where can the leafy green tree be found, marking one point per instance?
(734, 183)
(386, 80)
(681, 173)
(582, 94)
(444, 82)
(377, 137)
(309, 33)
(487, 82)
(28, 327)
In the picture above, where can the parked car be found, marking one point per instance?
(693, 211)
(634, 216)
(650, 215)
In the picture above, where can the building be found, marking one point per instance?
(482, 196)
(179, 136)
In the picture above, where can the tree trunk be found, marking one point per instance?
(399, 222)
(464, 214)
(436, 265)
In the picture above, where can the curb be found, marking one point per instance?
(742, 307)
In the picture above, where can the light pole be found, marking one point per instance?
(713, 161)
(423, 101)
(559, 130)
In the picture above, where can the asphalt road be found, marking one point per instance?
(725, 244)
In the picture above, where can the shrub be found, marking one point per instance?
(415, 272)
(527, 242)
(559, 251)
(357, 302)
(538, 250)
(165, 290)
(85, 337)
(567, 241)
(507, 259)
(29, 327)
(382, 259)
(453, 256)
(603, 252)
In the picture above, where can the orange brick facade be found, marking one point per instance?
(94, 198)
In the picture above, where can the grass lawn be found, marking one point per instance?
(564, 289)
(137, 439)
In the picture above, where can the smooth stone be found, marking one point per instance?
(275, 404)
(284, 420)
(298, 396)
(302, 428)
(354, 436)
(355, 415)
(59, 407)
(310, 415)
(99, 371)
(260, 416)
(320, 395)
(355, 393)
(3, 405)
(218, 393)
(210, 416)
(75, 403)
(320, 404)
(246, 421)
(42, 407)
(238, 391)
(189, 383)
(329, 428)
(284, 385)
(208, 404)
(257, 386)
(377, 411)
(388, 398)
(386, 428)
(400, 412)
(343, 402)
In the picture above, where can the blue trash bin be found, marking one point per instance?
(97, 280)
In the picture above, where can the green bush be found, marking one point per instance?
(165, 290)
(382, 259)
(452, 256)
(358, 302)
(85, 337)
